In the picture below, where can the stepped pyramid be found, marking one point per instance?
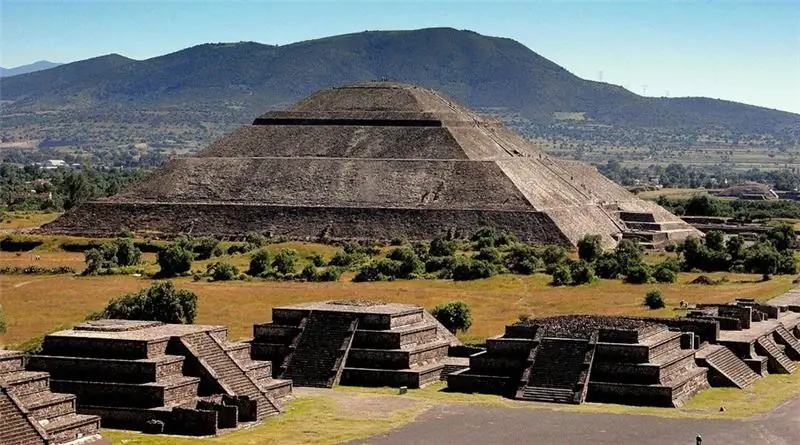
(377, 161)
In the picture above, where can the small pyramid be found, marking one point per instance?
(376, 161)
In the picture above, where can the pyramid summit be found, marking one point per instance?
(376, 161)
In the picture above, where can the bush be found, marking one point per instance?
(36, 270)
(455, 316)
(762, 258)
(654, 299)
(206, 247)
(607, 266)
(562, 276)
(348, 260)
(285, 261)
(256, 240)
(330, 274)
(665, 275)
(121, 252)
(223, 272)
(174, 259)
(160, 302)
(523, 259)
(408, 264)
(259, 263)
(590, 248)
(490, 254)
(786, 264)
(399, 241)
(436, 264)
(553, 256)
(441, 247)
(582, 273)
(638, 274)
(715, 240)
(317, 260)
(628, 253)
(490, 237)
(369, 273)
(466, 269)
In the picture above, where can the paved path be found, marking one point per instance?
(466, 425)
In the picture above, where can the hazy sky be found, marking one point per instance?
(747, 51)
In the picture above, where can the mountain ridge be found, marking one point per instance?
(234, 82)
(39, 65)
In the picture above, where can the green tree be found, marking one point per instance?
(455, 316)
(654, 299)
(638, 274)
(222, 271)
(76, 189)
(715, 240)
(763, 259)
(582, 272)
(204, 247)
(562, 276)
(701, 205)
(465, 269)
(590, 248)
(628, 254)
(285, 261)
(174, 259)
(783, 237)
(259, 263)
(442, 247)
(607, 266)
(409, 265)
(160, 302)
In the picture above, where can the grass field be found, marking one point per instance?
(670, 193)
(26, 220)
(35, 305)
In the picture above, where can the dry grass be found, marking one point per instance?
(37, 304)
(26, 220)
(670, 193)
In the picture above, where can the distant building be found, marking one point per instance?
(52, 164)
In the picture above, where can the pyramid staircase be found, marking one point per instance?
(320, 350)
(559, 372)
(232, 376)
(726, 369)
(779, 362)
(789, 341)
(31, 414)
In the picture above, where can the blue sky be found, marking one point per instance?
(747, 51)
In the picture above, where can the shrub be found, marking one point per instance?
(285, 261)
(369, 273)
(715, 240)
(783, 237)
(562, 276)
(206, 247)
(628, 253)
(259, 263)
(490, 237)
(222, 271)
(490, 254)
(465, 269)
(553, 256)
(582, 273)
(590, 248)
(174, 259)
(455, 316)
(399, 241)
(121, 252)
(665, 275)
(160, 302)
(348, 260)
(317, 260)
(409, 265)
(762, 258)
(607, 266)
(436, 264)
(523, 259)
(441, 247)
(786, 264)
(638, 274)
(654, 299)
(238, 248)
(127, 252)
(330, 274)
(256, 240)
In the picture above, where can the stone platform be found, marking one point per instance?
(572, 359)
(30, 414)
(151, 376)
(361, 343)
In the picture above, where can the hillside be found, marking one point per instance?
(226, 84)
(29, 68)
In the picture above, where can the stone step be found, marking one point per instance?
(728, 365)
(319, 355)
(27, 382)
(553, 395)
(71, 427)
(48, 405)
(15, 427)
(783, 364)
(10, 361)
(789, 341)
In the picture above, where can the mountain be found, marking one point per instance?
(29, 68)
(234, 82)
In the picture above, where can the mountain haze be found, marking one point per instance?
(235, 82)
(29, 68)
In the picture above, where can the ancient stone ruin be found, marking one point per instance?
(30, 414)
(639, 361)
(376, 161)
(360, 343)
(155, 377)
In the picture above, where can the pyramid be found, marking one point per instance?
(376, 161)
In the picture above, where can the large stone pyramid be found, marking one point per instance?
(376, 160)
